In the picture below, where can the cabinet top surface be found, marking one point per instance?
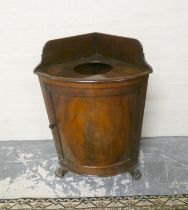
(95, 68)
(93, 57)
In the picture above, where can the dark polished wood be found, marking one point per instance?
(94, 87)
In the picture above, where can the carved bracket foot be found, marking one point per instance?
(60, 172)
(136, 174)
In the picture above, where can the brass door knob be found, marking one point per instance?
(52, 125)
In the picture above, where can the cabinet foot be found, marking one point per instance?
(60, 172)
(136, 174)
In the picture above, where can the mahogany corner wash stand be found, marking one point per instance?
(94, 87)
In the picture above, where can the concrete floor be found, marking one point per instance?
(27, 170)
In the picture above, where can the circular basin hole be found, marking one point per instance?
(93, 68)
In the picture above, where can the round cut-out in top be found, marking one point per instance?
(92, 68)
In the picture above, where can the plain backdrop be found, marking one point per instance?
(25, 26)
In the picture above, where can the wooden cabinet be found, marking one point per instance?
(94, 87)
